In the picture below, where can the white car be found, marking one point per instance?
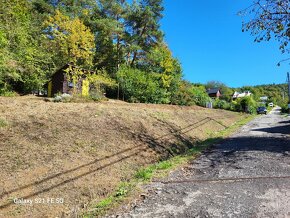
(271, 104)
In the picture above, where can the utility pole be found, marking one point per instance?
(288, 81)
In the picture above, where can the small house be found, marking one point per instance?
(60, 82)
(241, 95)
(214, 92)
(264, 98)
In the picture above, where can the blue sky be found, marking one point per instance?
(206, 37)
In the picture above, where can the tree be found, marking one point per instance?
(142, 29)
(267, 19)
(23, 59)
(161, 61)
(107, 22)
(71, 40)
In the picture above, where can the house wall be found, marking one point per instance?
(212, 95)
(218, 94)
(60, 84)
(57, 83)
(215, 95)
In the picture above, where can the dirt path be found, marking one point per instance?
(247, 175)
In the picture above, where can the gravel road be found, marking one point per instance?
(246, 175)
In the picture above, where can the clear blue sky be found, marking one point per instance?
(206, 37)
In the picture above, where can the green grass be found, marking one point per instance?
(160, 170)
(118, 196)
(231, 129)
(3, 123)
(5, 93)
(144, 174)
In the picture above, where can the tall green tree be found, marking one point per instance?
(23, 58)
(107, 22)
(161, 61)
(143, 29)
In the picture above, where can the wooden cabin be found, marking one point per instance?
(214, 93)
(60, 83)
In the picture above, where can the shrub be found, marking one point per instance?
(139, 86)
(189, 94)
(184, 95)
(221, 104)
(246, 104)
(284, 108)
(200, 95)
(234, 106)
(4, 91)
(62, 98)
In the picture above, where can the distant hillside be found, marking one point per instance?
(277, 93)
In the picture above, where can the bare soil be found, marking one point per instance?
(79, 152)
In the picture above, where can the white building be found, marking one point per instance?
(264, 98)
(241, 95)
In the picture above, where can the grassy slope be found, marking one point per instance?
(81, 152)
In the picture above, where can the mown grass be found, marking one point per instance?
(159, 170)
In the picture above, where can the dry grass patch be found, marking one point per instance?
(82, 151)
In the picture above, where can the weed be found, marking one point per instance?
(123, 189)
(144, 174)
(7, 93)
(99, 113)
(62, 98)
(3, 123)
(164, 165)
(104, 203)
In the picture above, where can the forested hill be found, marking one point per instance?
(277, 93)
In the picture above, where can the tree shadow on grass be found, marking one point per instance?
(161, 145)
(227, 152)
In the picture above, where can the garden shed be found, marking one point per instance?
(61, 83)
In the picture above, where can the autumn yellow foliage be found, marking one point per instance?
(73, 39)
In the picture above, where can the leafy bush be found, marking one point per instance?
(221, 104)
(189, 94)
(96, 96)
(4, 91)
(183, 95)
(62, 98)
(284, 108)
(200, 96)
(246, 104)
(139, 86)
